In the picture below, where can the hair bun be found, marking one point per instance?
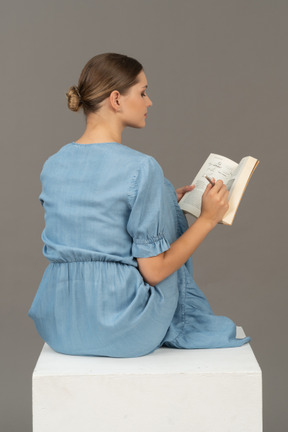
(74, 98)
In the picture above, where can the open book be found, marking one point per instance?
(235, 176)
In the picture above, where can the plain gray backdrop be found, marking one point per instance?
(217, 74)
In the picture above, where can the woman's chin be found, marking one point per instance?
(138, 125)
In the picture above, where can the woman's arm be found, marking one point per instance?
(214, 206)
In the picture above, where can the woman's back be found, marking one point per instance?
(87, 194)
(101, 211)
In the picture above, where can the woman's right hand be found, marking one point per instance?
(215, 202)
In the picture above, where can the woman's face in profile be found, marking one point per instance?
(135, 103)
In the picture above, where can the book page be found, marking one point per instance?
(219, 167)
(239, 179)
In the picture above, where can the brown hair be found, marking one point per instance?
(103, 74)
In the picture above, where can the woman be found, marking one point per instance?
(120, 281)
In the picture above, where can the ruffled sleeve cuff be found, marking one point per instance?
(149, 247)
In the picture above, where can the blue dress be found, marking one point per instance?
(106, 205)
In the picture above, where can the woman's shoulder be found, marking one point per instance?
(115, 147)
(145, 165)
(58, 153)
(133, 160)
(137, 156)
(120, 156)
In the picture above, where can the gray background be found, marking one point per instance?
(217, 74)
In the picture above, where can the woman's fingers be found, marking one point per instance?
(187, 188)
(207, 190)
(215, 201)
(218, 186)
(223, 191)
(182, 190)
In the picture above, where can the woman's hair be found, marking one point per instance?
(103, 74)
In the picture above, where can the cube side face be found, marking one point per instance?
(218, 402)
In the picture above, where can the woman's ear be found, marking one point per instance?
(115, 100)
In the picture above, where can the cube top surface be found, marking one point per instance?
(162, 361)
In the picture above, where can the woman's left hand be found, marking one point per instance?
(181, 191)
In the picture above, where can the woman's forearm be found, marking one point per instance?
(214, 206)
(155, 269)
(182, 249)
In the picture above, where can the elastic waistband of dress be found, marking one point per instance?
(94, 261)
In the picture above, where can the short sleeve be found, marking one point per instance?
(146, 220)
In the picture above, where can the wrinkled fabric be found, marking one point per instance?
(105, 206)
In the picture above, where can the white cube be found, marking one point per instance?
(170, 390)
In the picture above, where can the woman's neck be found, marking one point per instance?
(99, 130)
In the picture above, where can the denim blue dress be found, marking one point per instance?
(106, 205)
